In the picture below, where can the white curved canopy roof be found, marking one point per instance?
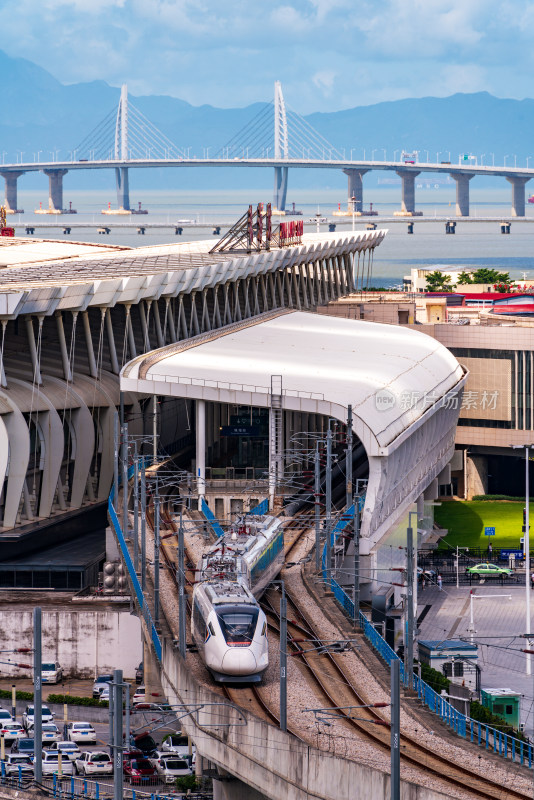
(384, 371)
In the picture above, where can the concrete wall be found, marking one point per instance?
(477, 476)
(85, 642)
(273, 763)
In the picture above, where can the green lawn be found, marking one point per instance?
(466, 521)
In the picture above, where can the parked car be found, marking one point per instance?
(177, 744)
(489, 571)
(5, 716)
(104, 694)
(24, 747)
(170, 767)
(139, 770)
(139, 674)
(95, 763)
(51, 672)
(99, 684)
(69, 749)
(15, 764)
(51, 763)
(11, 731)
(139, 695)
(143, 742)
(28, 716)
(49, 733)
(81, 732)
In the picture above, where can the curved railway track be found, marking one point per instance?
(334, 685)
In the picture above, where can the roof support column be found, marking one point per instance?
(111, 342)
(355, 193)
(200, 410)
(518, 195)
(11, 189)
(129, 328)
(408, 191)
(462, 193)
(33, 351)
(169, 316)
(55, 188)
(63, 347)
(157, 323)
(93, 372)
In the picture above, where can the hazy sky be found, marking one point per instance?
(329, 54)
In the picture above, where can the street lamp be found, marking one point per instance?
(395, 155)
(457, 562)
(373, 154)
(528, 159)
(427, 159)
(384, 151)
(507, 156)
(527, 447)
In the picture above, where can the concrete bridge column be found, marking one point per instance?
(226, 787)
(55, 187)
(408, 191)
(462, 193)
(11, 189)
(201, 447)
(518, 195)
(355, 188)
(280, 187)
(123, 188)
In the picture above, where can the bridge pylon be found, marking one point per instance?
(121, 150)
(281, 147)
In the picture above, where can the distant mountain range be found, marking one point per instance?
(40, 114)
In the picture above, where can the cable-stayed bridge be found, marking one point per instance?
(277, 138)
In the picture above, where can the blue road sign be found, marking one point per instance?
(489, 531)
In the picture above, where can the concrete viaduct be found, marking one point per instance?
(355, 170)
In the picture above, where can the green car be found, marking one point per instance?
(488, 570)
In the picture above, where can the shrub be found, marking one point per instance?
(6, 695)
(482, 714)
(497, 497)
(436, 680)
(72, 700)
(187, 782)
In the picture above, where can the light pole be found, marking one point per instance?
(457, 562)
(480, 597)
(528, 159)
(527, 447)
(427, 159)
(408, 649)
(506, 156)
(373, 154)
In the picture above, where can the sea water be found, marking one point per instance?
(473, 244)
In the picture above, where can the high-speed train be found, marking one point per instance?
(227, 624)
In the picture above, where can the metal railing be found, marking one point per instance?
(490, 738)
(141, 598)
(210, 517)
(75, 788)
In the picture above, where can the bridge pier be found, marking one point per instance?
(355, 188)
(280, 187)
(518, 195)
(462, 193)
(227, 787)
(408, 191)
(11, 178)
(200, 424)
(55, 187)
(123, 188)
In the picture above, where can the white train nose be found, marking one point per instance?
(239, 661)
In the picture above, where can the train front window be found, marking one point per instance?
(238, 624)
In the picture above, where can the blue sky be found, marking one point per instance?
(329, 54)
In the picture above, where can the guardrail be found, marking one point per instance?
(490, 738)
(141, 599)
(73, 788)
(210, 517)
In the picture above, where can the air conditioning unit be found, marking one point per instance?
(115, 581)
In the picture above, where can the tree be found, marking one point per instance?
(464, 278)
(438, 282)
(485, 275)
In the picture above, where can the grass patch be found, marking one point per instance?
(466, 520)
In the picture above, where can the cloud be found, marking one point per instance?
(327, 53)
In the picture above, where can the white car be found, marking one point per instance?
(69, 750)
(170, 767)
(81, 732)
(11, 731)
(139, 696)
(28, 717)
(95, 763)
(5, 717)
(16, 764)
(104, 694)
(49, 733)
(51, 763)
(177, 744)
(51, 672)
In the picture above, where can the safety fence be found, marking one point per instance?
(142, 600)
(211, 518)
(73, 788)
(486, 736)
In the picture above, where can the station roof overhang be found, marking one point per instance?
(325, 364)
